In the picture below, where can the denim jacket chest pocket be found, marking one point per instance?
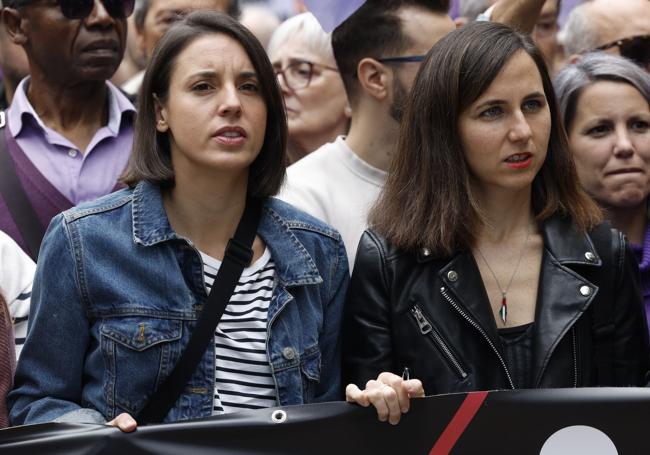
(297, 374)
(139, 353)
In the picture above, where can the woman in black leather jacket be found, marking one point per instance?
(487, 267)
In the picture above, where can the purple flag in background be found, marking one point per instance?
(332, 12)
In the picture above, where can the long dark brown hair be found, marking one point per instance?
(428, 201)
(151, 157)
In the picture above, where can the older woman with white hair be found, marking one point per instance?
(317, 106)
(605, 103)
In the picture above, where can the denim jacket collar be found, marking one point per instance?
(294, 265)
(150, 223)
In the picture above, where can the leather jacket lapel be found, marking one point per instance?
(563, 294)
(463, 277)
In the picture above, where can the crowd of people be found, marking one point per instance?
(204, 209)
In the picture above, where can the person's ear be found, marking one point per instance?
(373, 78)
(161, 116)
(460, 21)
(15, 25)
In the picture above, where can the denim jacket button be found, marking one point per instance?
(288, 353)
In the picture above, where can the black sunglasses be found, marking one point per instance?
(636, 48)
(80, 9)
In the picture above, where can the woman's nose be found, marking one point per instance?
(520, 130)
(229, 102)
(623, 147)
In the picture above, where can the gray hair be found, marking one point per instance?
(579, 33)
(594, 67)
(306, 28)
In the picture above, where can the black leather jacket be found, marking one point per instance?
(433, 316)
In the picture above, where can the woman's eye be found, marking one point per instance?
(639, 126)
(300, 70)
(201, 87)
(250, 87)
(532, 106)
(598, 130)
(491, 112)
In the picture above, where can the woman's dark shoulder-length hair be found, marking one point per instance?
(428, 201)
(151, 159)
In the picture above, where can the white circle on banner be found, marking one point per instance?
(577, 440)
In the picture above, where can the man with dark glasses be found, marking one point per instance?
(617, 26)
(68, 131)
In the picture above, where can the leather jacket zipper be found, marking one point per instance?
(474, 324)
(426, 328)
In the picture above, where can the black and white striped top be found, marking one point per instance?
(243, 377)
(16, 277)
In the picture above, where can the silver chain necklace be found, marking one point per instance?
(503, 311)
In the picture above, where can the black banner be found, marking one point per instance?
(602, 421)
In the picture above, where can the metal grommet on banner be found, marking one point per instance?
(279, 416)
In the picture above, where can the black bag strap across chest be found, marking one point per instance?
(238, 255)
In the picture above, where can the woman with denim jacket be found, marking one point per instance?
(121, 280)
(487, 266)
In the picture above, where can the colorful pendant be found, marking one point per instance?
(503, 312)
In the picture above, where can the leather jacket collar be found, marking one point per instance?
(563, 294)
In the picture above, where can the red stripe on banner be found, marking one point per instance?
(459, 423)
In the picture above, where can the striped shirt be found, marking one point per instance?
(243, 377)
(16, 277)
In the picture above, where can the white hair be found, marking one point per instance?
(303, 27)
(579, 34)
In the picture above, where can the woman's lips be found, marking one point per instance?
(623, 171)
(519, 160)
(230, 135)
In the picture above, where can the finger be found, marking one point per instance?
(376, 398)
(374, 384)
(124, 422)
(414, 388)
(403, 400)
(355, 395)
(392, 402)
(386, 377)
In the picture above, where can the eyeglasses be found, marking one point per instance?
(297, 74)
(636, 48)
(403, 59)
(80, 9)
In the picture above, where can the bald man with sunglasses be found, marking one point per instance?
(68, 131)
(620, 27)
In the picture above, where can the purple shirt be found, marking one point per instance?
(642, 253)
(78, 176)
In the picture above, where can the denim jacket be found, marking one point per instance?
(117, 293)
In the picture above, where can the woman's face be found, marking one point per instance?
(214, 113)
(610, 140)
(505, 132)
(318, 110)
